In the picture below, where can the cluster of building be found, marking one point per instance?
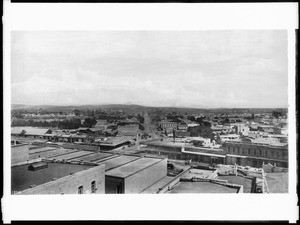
(243, 152)
(113, 158)
(44, 169)
(178, 129)
(99, 136)
(246, 143)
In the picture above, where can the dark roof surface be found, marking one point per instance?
(22, 178)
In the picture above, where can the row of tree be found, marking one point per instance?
(202, 131)
(72, 123)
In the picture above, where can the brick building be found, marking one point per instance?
(255, 154)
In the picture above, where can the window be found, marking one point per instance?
(80, 190)
(93, 186)
(266, 153)
(249, 152)
(260, 152)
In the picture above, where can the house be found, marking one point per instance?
(34, 132)
(182, 126)
(241, 129)
(229, 137)
(84, 130)
(167, 125)
(266, 128)
(101, 123)
(97, 130)
(193, 124)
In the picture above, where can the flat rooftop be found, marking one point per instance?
(42, 149)
(94, 157)
(167, 142)
(200, 187)
(133, 167)
(278, 182)
(72, 155)
(52, 153)
(22, 178)
(245, 182)
(117, 161)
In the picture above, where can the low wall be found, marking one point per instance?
(240, 188)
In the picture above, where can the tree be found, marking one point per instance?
(76, 112)
(276, 114)
(202, 131)
(140, 118)
(199, 120)
(218, 139)
(141, 127)
(226, 120)
(191, 118)
(89, 122)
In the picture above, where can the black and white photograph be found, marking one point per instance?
(159, 111)
(120, 112)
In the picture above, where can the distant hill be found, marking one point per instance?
(138, 108)
(57, 108)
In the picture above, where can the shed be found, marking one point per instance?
(38, 166)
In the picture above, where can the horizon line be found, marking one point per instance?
(128, 104)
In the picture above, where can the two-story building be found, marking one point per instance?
(249, 153)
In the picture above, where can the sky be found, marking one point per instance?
(200, 69)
